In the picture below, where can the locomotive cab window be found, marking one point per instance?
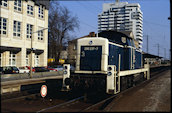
(129, 42)
(132, 42)
(90, 58)
(123, 39)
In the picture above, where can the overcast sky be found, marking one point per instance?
(155, 20)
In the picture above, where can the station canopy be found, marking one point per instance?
(147, 55)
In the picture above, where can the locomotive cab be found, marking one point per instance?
(92, 55)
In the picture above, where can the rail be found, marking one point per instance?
(59, 105)
(102, 105)
(106, 104)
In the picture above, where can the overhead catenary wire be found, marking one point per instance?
(162, 25)
(86, 8)
(88, 24)
(94, 6)
(89, 7)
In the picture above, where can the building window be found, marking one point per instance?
(36, 60)
(12, 59)
(41, 11)
(40, 34)
(29, 9)
(29, 30)
(17, 29)
(27, 60)
(74, 47)
(3, 26)
(17, 5)
(4, 3)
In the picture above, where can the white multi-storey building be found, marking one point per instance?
(121, 16)
(21, 20)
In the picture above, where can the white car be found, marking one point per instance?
(23, 70)
(57, 67)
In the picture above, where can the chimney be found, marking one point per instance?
(117, 1)
(92, 34)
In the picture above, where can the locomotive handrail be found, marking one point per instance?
(119, 74)
(130, 72)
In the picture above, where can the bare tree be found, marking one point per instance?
(61, 22)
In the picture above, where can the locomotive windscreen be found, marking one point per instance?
(90, 58)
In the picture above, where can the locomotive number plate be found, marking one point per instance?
(91, 48)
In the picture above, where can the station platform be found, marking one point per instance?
(15, 85)
(152, 97)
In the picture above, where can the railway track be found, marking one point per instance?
(75, 105)
(60, 105)
(102, 106)
(79, 104)
(19, 95)
(91, 106)
(24, 97)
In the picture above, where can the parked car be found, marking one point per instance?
(51, 69)
(41, 69)
(23, 70)
(1, 71)
(72, 68)
(58, 67)
(10, 70)
(33, 69)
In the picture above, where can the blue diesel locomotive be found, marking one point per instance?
(94, 54)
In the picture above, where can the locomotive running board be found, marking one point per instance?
(113, 81)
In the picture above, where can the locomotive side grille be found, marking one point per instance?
(90, 58)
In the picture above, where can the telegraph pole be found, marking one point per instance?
(147, 43)
(164, 53)
(158, 49)
(31, 57)
(170, 26)
(169, 54)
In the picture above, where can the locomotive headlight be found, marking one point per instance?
(65, 72)
(109, 74)
(90, 42)
(65, 67)
(109, 68)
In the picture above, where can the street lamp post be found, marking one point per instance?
(32, 51)
(31, 60)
